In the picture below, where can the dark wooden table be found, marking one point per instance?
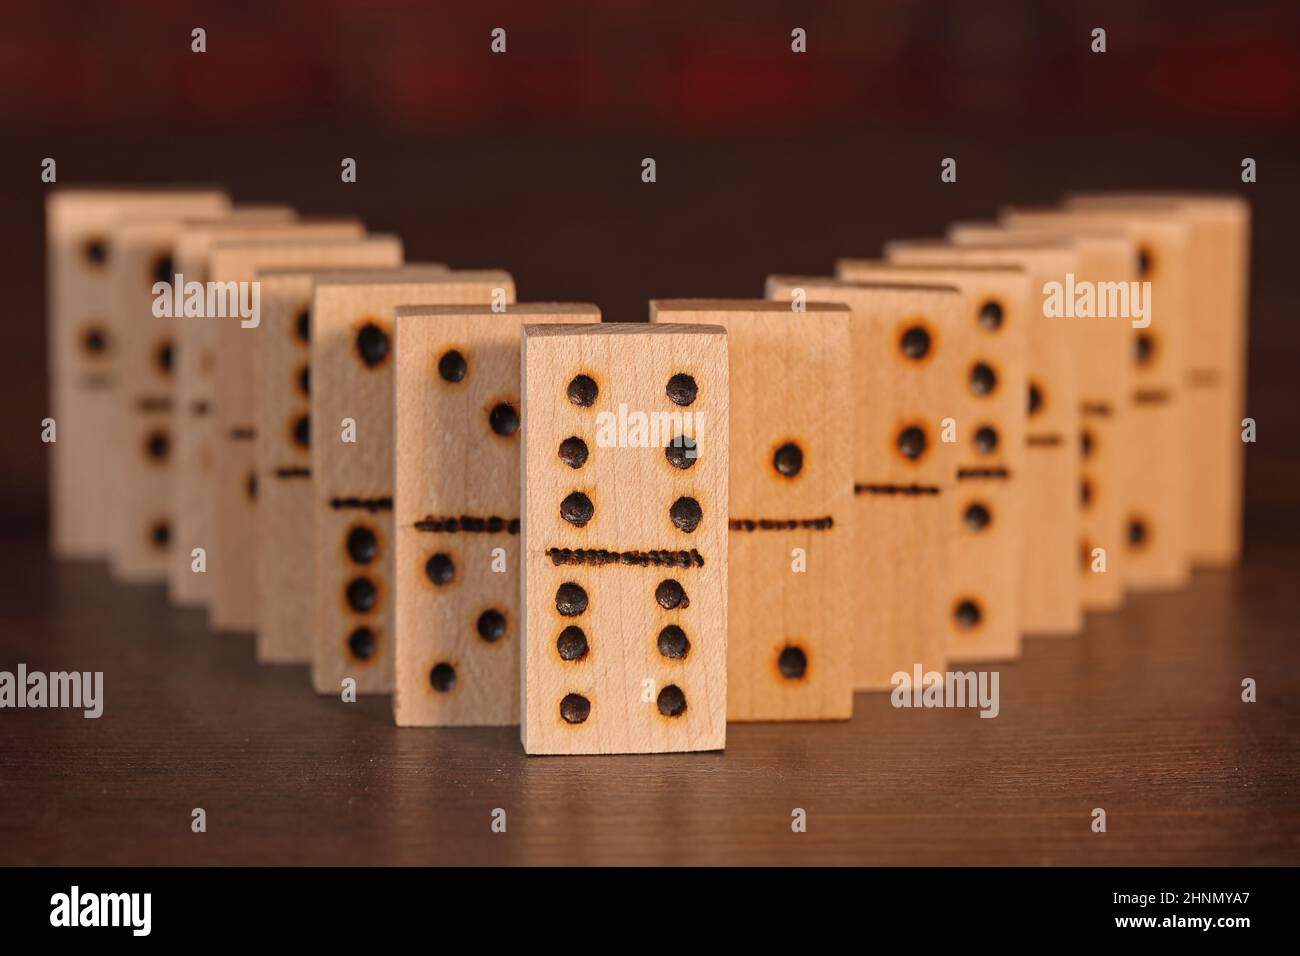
(1141, 715)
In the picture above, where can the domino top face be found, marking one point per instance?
(456, 500)
(625, 546)
(196, 242)
(352, 374)
(892, 445)
(995, 303)
(1218, 205)
(791, 483)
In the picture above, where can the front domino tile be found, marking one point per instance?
(906, 345)
(987, 510)
(285, 545)
(1051, 602)
(789, 643)
(194, 477)
(352, 462)
(456, 520)
(607, 518)
(233, 563)
(85, 353)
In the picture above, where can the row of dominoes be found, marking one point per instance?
(621, 536)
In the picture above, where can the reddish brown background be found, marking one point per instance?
(767, 161)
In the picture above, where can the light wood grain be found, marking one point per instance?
(1050, 581)
(1215, 358)
(353, 482)
(1104, 256)
(232, 554)
(632, 689)
(456, 499)
(194, 481)
(986, 558)
(1157, 555)
(789, 616)
(903, 586)
(86, 328)
(137, 471)
(286, 545)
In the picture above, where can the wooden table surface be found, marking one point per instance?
(1141, 715)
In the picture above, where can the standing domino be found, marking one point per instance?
(456, 510)
(1106, 262)
(352, 462)
(142, 463)
(234, 565)
(987, 509)
(194, 471)
(905, 346)
(86, 324)
(625, 550)
(1214, 359)
(285, 542)
(789, 630)
(1051, 603)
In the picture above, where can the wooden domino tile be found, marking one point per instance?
(194, 479)
(789, 613)
(144, 428)
(987, 507)
(138, 463)
(1156, 545)
(906, 344)
(456, 500)
(621, 529)
(1105, 257)
(352, 379)
(286, 551)
(232, 555)
(1049, 589)
(85, 329)
(1215, 361)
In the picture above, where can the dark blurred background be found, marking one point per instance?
(767, 160)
